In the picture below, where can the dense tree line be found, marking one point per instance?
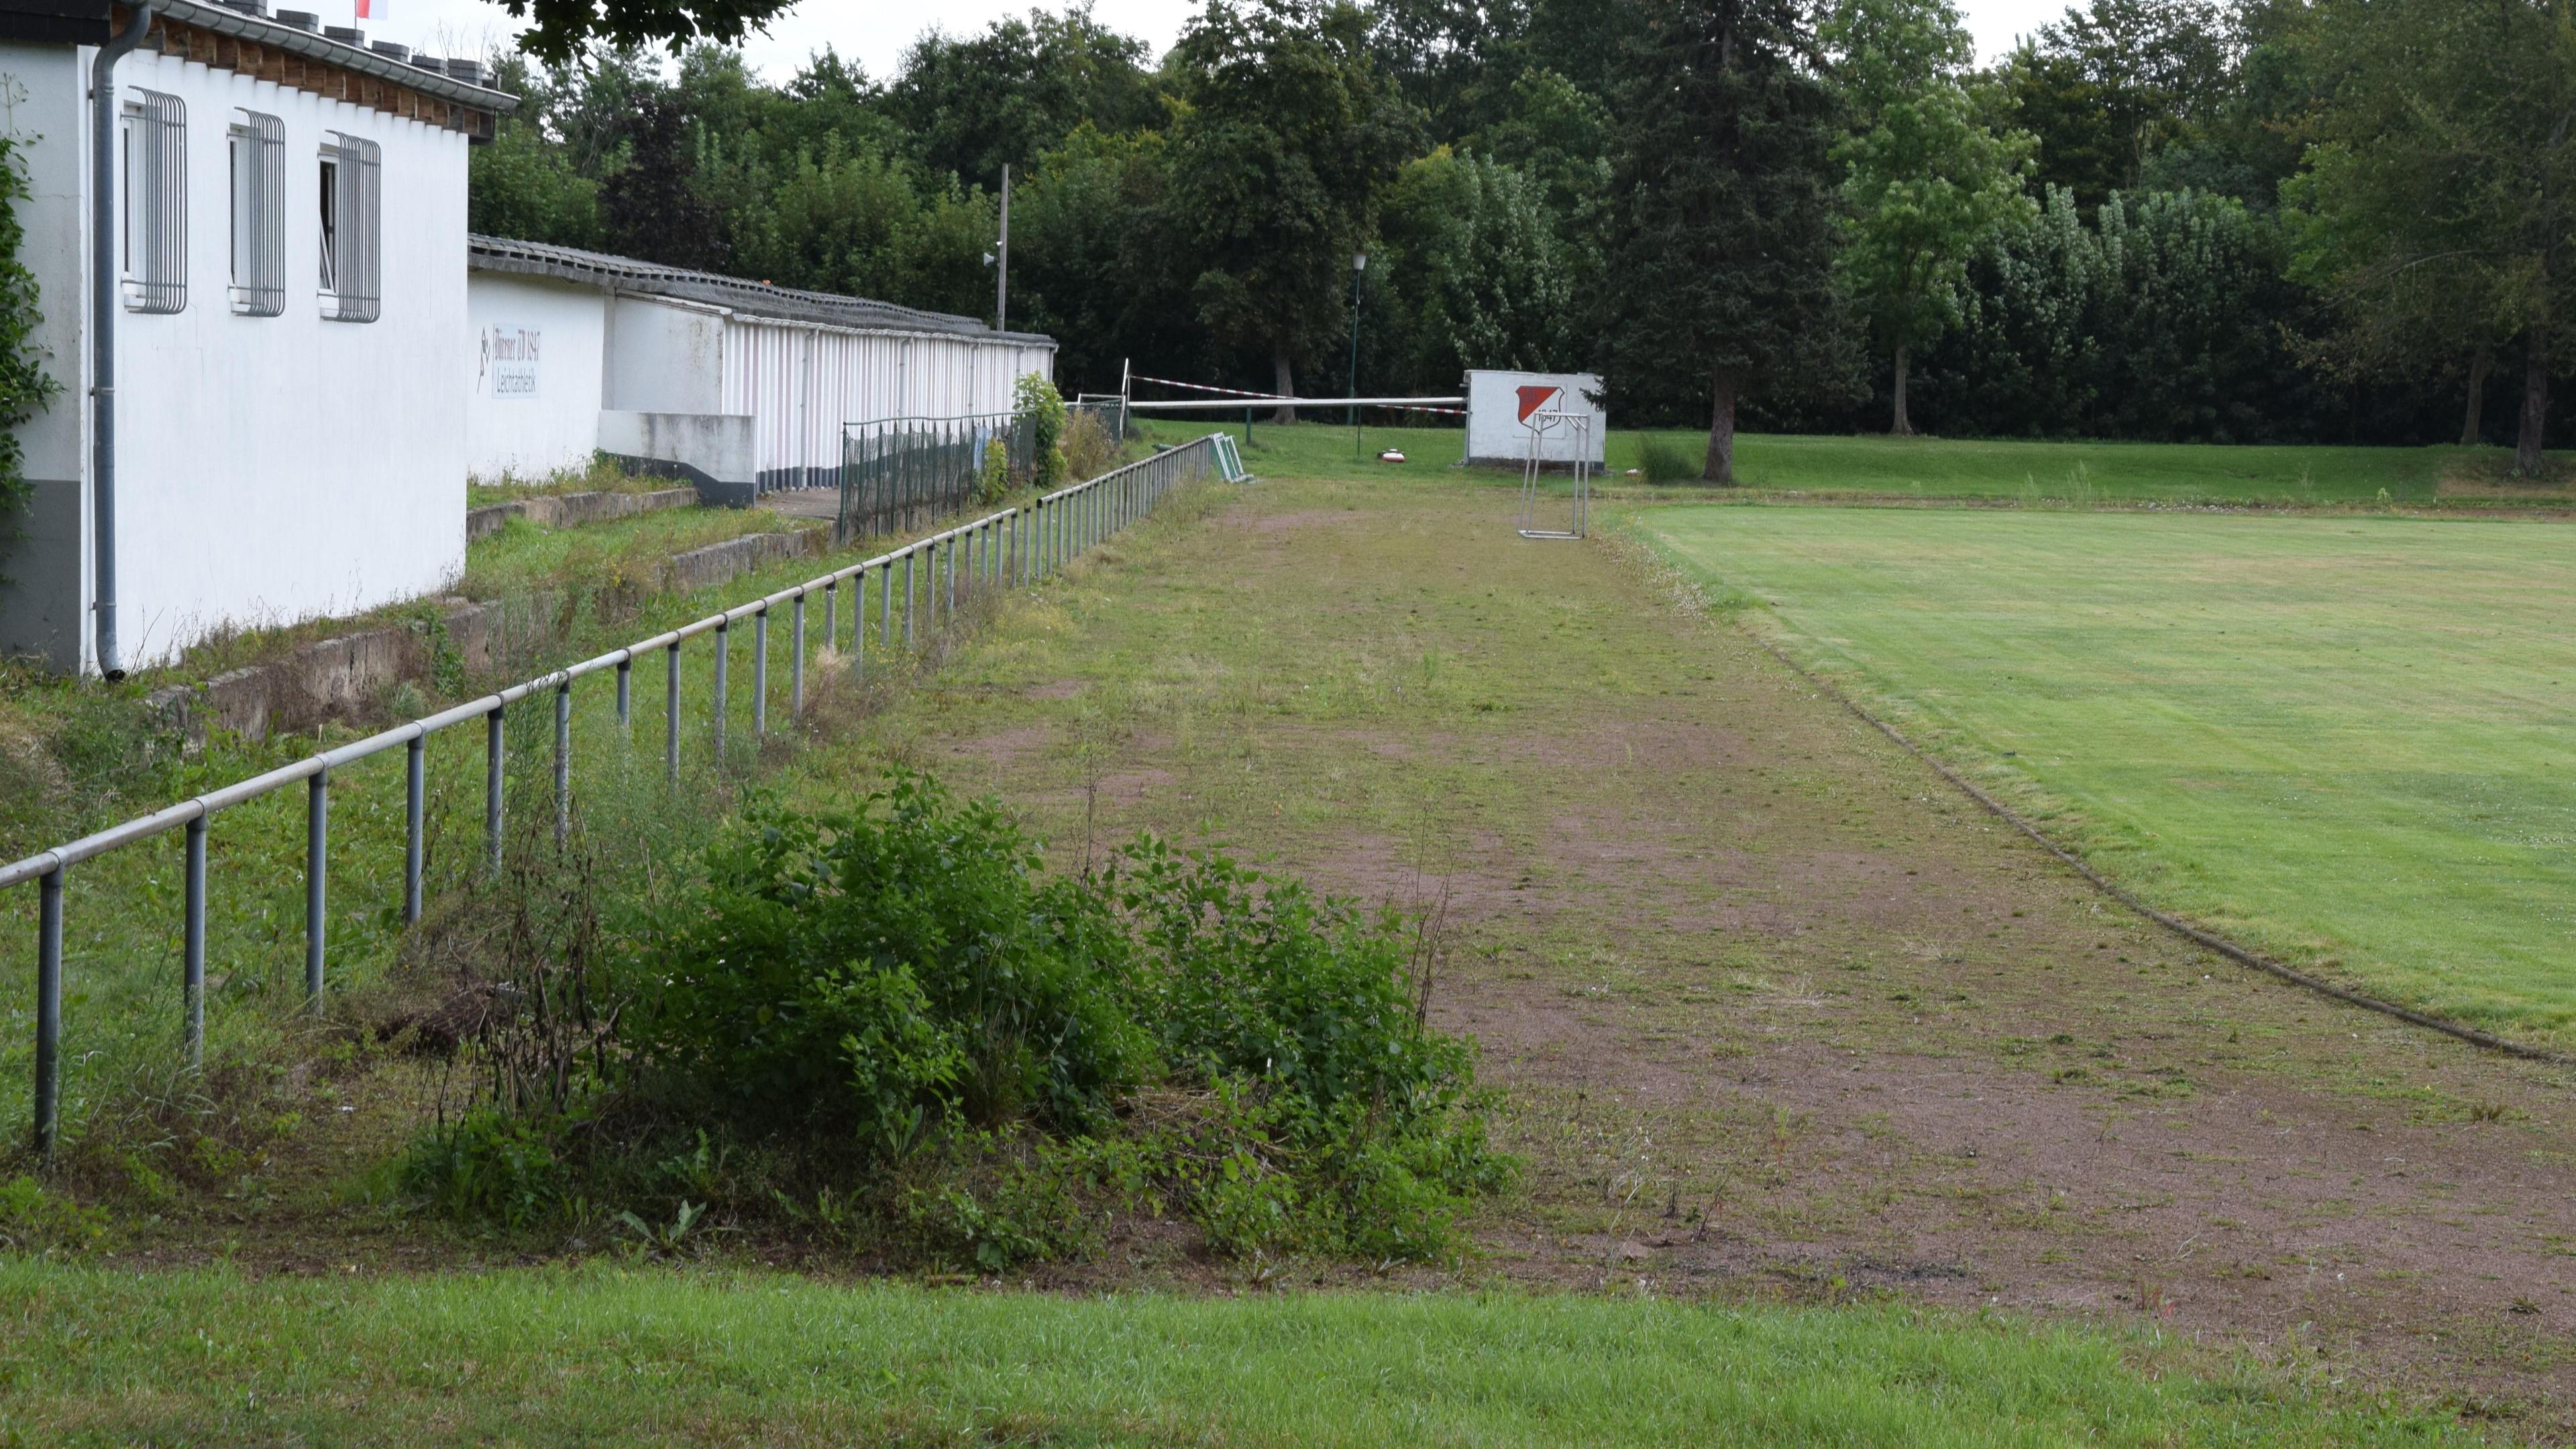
(2227, 220)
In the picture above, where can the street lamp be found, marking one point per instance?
(1359, 270)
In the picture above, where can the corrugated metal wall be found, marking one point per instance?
(800, 383)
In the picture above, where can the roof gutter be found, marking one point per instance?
(102, 299)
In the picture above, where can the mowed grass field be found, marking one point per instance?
(2346, 740)
(660, 1356)
(1988, 471)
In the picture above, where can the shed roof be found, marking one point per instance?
(756, 299)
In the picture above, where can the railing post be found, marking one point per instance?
(415, 804)
(671, 712)
(192, 949)
(626, 694)
(49, 1007)
(885, 610)
(831, 610)
(948, 567)
(563, 764)
(908, 594)
(317, 875)
(722, 650)
(760, 673)
(796, 669)
(492, 782)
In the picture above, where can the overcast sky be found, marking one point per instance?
(876, 33)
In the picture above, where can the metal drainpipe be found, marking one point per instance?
(102, 290)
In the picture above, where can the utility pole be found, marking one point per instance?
(1359, 271)
(1002, 271)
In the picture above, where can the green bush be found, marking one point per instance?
(489, 1166)
(892, 1014)
(1663, 460)
(993, 476)
(864, 973)
(1036, 399)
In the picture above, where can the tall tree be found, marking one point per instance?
(1719, 275)
(2442, 148)
(648, 207)
(1291, 130)
(1017, 90)
(1924, 179)
(563, 29)
(2115, 81)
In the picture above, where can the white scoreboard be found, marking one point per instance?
(1502, 406)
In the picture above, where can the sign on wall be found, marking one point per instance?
(509, 364)
(1501, 406)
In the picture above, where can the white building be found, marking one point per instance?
(745, 385)
(289, 223)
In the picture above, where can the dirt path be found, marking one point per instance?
(1775, 1012)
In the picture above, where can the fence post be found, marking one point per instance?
(671, 712)
(492, 787)
(796, 670)
(192, 950)
(885, 609)
(722, 650)
(563, 764)
(626, 694)
(49, 1007)
(415, 802)
(908, 594)
(317, 874)
(948, 567)
(760, 673)
(831, 610)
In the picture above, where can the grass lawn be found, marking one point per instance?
(2345, 739)
(1768, 1022)
(670, 1356)
(1933, 468)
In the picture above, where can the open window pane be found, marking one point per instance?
(351, 211)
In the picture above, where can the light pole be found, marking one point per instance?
(1359, 271)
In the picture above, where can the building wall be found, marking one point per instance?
(270, 469)
(535, 366)
(665, 356)
(801, 382)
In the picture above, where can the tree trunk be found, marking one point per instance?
(2527, 458)
(2474, 425)
(1903, 426)
(1720, 467)
(1287, 385)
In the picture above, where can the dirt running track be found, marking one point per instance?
(1775, 1012)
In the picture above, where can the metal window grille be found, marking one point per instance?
(352, 231)
(259, 215)
(156, 203)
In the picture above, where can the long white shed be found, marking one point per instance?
(739, 383)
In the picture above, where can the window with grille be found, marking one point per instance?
(352, 234)
(259, 215)
(155, 138)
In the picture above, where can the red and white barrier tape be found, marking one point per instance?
(1277, 397)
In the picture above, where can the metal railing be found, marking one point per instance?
(896, 472)
(1011, 547)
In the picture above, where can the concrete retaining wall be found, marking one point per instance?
(570, 508)
(342, 678)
